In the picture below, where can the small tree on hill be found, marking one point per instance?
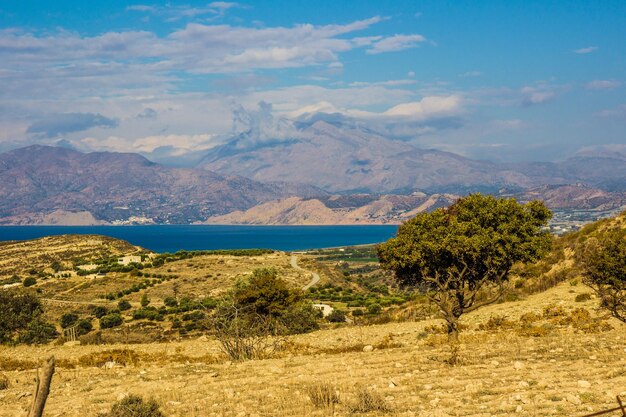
(453, 253)
(21, 319)
(603, 262)
(251, 320)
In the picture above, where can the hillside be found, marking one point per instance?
(41, 184)
(55, 253)
(355, 209)
(547, 350)
(562, 372)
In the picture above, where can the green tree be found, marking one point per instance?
(453, 253)
(110, 320)
(30, 281)
(603, 263)
(21, 319)
(251, 319)
(124, 305)
(68, 320)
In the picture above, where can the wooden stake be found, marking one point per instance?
(42, 389)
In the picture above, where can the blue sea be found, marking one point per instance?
(171, 238)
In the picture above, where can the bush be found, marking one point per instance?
(68, 320)
(358, 312)
(83, 326)
(134, 406)
(323, 395)
(110, 320)
(603, 263)
(145, 301)
(99, 311)
(368, 401)
(21, 319)
(336, 316)
(301, 318)
(149, 313)
(170, 302)
(4, 382)
(583, 297)
(124, 305)
(30, 281)
(252, 319)
(38, 332)
(374, 309)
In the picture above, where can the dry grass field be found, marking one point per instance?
(554, 362)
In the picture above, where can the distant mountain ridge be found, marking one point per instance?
(348, 159)
(42, 184)
(55, 185)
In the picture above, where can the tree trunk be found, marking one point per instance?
(453, 339)
(42, 389)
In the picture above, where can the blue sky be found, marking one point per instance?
(502, 80)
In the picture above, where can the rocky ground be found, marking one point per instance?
(575, 365)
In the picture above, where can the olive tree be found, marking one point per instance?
(453, 253)
(603, 263)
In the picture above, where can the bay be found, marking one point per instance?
(171, 238)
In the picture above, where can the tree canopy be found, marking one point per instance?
(453, 252)
(603, 262)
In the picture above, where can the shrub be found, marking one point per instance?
(603, 263)
(99, 311)
(30, 281)
(358, 312)
(374, 308)
(300, 318)
(83, 326)
(252, 319)
(149, 313)
(368, 401)
(134, 406)
(21, 319)
(582, 297)
(323, 395)
(38, 332)
(124, 305)
(68, 320)
(110, 320)
(145, 301)
(553, 311)
(336, 316)
(4, 382)
(170, 302)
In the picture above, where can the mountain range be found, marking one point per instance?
(42, 184)
(322, 171)
(344, 158)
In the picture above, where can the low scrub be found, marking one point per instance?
(323, 395)
(368, 401)
(134, 406)
(4, 382)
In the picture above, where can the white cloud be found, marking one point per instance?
(179, 144)
(396, 43)
(471, 74)
(427, 107)
(618, 112)
(539, 94)
(603, 85)
(100, 64)
(586, 50)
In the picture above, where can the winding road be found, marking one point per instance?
(315, 278)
